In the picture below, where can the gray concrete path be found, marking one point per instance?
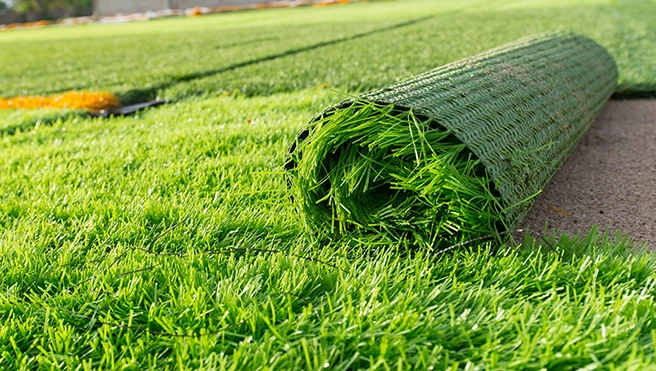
(610, 178)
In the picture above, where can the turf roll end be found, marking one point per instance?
(373, 168)
(454, 154)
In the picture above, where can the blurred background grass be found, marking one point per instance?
(353, 47)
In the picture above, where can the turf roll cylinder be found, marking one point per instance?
(454, 154)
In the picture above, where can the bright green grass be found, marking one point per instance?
(168, 240)
(393, 176)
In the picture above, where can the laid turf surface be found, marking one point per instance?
(354, 47)
(168, 239)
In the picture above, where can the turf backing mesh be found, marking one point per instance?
(389, 162)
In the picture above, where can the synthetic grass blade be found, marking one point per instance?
(456, 153)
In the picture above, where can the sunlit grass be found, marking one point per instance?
(169, 240)
(373, 169)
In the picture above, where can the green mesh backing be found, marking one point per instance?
(521, 108)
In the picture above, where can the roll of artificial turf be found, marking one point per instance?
(456, 153)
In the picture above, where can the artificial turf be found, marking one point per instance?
(354, 47)
(384, 172)
(168, 239)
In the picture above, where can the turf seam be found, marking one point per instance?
(151, 92)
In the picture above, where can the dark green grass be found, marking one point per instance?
(168, 241)
(635, 50)
(211, 55)
(141, 59)
(138, 63)
(381, 59)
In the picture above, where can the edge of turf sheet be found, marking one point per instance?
(371, 163)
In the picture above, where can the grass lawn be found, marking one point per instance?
(167, 240)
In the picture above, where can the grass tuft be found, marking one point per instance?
(377, 169)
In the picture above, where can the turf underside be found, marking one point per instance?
(168, 240)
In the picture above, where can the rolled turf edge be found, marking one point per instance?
(456, 153)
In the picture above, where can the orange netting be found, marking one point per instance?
(74, 100)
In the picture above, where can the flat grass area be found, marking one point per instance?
(352, 48)
(167, 240)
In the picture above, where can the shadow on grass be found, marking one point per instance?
(635, 91)
(47, 119)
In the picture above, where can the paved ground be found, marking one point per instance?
(610, 178)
